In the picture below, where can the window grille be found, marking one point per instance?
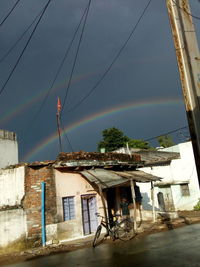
(68, 208)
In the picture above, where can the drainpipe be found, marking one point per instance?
(43, 215)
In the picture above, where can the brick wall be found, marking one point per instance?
(32, 200)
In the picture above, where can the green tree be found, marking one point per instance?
(139, 143)
(113, 139)
(165, 141)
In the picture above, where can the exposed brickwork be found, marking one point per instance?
(34, 176)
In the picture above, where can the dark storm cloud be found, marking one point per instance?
(146, 69)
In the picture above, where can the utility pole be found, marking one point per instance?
(58, 122)
(188, 57)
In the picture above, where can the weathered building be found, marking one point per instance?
(77, 186)
(8, 148)
(179, 187)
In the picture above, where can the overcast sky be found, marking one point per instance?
(145, 76)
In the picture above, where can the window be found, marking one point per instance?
(68, 208)
(185, 190)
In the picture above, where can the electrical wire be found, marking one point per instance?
(26, 45)
(56, 75)
(155, 137)
(75, 58)
(58, 70)
(190, 14)
(66, 136)
(113, 61)
(19, 39)
(72, 71)
(9, 13)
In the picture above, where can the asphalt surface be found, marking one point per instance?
(178, 247)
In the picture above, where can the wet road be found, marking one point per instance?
(179, 247)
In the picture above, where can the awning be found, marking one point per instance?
(108, 178)
(139, 176)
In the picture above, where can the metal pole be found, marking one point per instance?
(188, 58)
(43, 215)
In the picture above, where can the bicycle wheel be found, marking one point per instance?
(125, 230)
(97, 235)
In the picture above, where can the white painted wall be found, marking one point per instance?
(12, 221)
(11, 186)
(179, 171)
(8, 149)
(12, 226)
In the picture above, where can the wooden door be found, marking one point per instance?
(89, 210)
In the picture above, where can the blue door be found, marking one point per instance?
(89, 209)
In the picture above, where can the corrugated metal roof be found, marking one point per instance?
(138, 176)
(107, 178)
(151, 157)
(104, 178)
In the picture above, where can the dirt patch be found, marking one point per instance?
(189, 213)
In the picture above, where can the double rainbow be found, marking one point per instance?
(149, 103)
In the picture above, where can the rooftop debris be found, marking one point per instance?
(97, 159)
(82, 155)
(41, 163)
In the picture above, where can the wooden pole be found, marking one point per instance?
(153, 202)
(59, 132)
(134, 203)
(104, 205)
(188, 58)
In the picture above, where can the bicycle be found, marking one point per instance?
(123, 230)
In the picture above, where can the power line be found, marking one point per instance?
(76, 56)
(11, 10)
(66, 136)
(26, 45)
(190, 14)
(113, 61)
(19, 39)
(72, 70)
(59, 69)
(173, 131)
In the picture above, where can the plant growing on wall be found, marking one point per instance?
(197, 206)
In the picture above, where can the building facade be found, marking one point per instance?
(8, 148)
(77, 186)
(179, 187)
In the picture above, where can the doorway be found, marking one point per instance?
(166, 198)
(89, 210)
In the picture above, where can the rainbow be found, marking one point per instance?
(16, 110)
(149, 103)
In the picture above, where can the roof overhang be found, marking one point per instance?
(169, 183)
(107, 178)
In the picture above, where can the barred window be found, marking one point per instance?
(185, 190)
(68, 208)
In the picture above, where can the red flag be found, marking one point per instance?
(58, 106)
